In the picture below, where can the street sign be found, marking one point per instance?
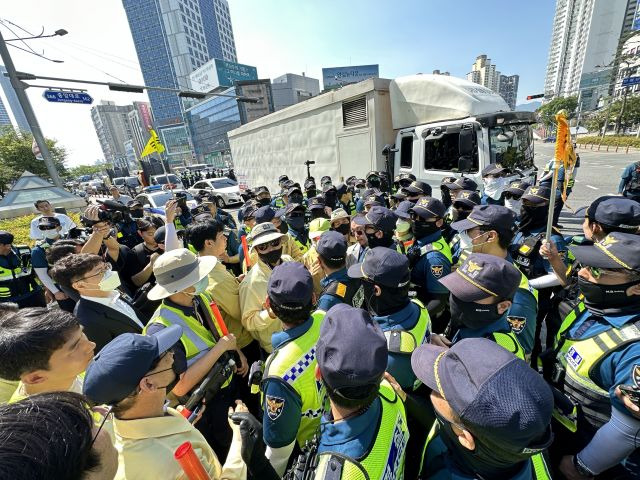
(630, 81)
(58, 96)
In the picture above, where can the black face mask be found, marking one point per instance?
(177, 370)
(318, 213)
(312, 192)
(263, 202)
(422, 229)
(461, 214)
(272, 257)
(374, 241)
(283, 228)
(605, 296)
(296, 223)
(136, 213)
(472, 315)
(330, 198)
(373, 183)
(389, 301)
(297, 198)
(532, 217)
(343, 228)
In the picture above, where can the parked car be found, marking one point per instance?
(166, 179)
(154, 202)
(127, 185)
(226, 190)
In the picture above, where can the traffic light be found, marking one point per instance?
(539, 95)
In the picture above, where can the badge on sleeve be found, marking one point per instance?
(436, 270)
(275, 405)
(517, 323)
(635, 374)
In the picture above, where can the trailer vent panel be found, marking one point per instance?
(354, 112)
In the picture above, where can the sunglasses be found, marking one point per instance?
(265, 246)
(47, 227)
(357, 232)
(512, 196)
(598, 272)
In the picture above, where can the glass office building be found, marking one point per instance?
(12, 100)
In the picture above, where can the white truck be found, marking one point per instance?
(433, 126)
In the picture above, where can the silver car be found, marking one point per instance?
(226, 190)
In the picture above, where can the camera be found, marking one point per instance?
(111, 212)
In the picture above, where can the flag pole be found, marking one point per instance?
(560, 152)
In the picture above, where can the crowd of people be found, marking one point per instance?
(355, 330)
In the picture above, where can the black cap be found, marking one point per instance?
(404, 208)
(309, 183)
(48, 222)
(399, 195)
(537, 194)
(6, 238)
(291, 207)
(291, 285)
(249, 209)
(517, 187)
(613, 211)
(316, 203)
(429, 207)
(201, 217)
(382, 266)
(374, 200)
(341, 188)
(328, 186)
(360, 182)
(481, 276)
(497, 217)
(492, 169)
(473, 376)
(134, 204)
(264, 214)
(293, 189)
(262, 189)
(287, 184)
(463, 183)
(467, 197)
(332, 246)
(372, 173)
(380, 217)
(159, 235)
(419, 188)
(282, 178)
(117, 369)
(351, 352)
(616, 250)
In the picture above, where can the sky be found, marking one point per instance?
(404, 37)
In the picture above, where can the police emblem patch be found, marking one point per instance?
(437, 270)
(517, 323)
(573, 358)
(635, 375)
(274, 405)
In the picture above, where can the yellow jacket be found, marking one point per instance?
(7, 387)
(253, 293)
(146, 446)
(289, 248)
(310, 260)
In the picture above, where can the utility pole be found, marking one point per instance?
(19, 87)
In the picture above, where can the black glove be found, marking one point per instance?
(413, 255)
(253, 446)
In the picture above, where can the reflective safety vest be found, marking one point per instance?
(20, 279)
(538, 463)
(349, 207)
(406, 341)
(509, 342)
(577, 360)
(385, 460)
(294, 364)
(303, 248)
(196, 338)
(404, 246)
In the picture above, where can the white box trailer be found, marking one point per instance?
(431, 121)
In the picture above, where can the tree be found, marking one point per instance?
(595, 121)
(81, 170)
(16, 156)
(631, 114)
(547, 112)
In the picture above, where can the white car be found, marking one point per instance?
(168, 179)
(154, 202)
(226, 190)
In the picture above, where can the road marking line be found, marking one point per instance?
(592, 187)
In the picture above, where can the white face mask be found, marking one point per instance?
(50, 234)
(465, 241)
(494, 187)
(513, 205)
(201, 286)
(110, 281)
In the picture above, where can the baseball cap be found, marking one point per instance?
(282, 178)
(48, 222)
(316, 203)
(249, 210)
(492, 169)
(290, 284)
(117, 369)
(262, 189)
(318, 226)
(351, 352)
(134, 204)
(325, 179)
(418, 187)
(293, 206)
(473, 376)
(264, 214)
(332, 246)
(616, 250)
(399, 195)
(613, 211)
(374, 200)
(341, 188)
(201, 217)
(537, 194)
(429, 207)
(517, 187)
(177, 270)
(159, 235)
(497, 217)
(328, 186)
(463, 183)
(382, 266)
(309, 183)
(481, 276)
(264, 233)
(467, 197)
(293, 189)
(380, 217)
(6, 238)
(404, 208)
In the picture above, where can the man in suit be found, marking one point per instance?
(102, 310)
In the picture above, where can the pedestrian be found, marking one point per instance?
(17, 276)
(292, 404)
(46, 210)
(289, 246)
(116, 196)
(355, 252)
(630, 182)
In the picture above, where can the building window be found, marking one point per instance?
(354, 112)
(406, 151)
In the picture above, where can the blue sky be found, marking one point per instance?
(279, 36)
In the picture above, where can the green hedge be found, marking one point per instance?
(19, 227)
(614, 141)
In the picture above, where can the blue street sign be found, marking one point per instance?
(67, 97)
(630, 81)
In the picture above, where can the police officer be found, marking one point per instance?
(513, 195)
(17, 278)
(481, 431)
(493, 178)
(263, 196)
(379, 224)
(337, 286)
(181, 282)
(416, 190)
(430, 256)
(294, 195)
(279, 201)
(316, 208)
(330, 194)
(458, 184)
(374, 200)
(310, 189)
(364, 434)
(630, 182)
(489, 229)
(403, 235)
(597, 352)
(463, 203)
(294, 216)
(292, 398)
(482, 291)
(345, 198)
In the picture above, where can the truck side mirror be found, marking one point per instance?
(465, 142)
(464, 164)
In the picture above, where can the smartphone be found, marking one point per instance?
(632, 392)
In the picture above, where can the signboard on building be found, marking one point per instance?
(220, 73)
(630, 81)
(255, 89)
(336, 77)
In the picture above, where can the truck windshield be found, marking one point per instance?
(512, 146)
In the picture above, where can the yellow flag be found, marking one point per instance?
(153, 145)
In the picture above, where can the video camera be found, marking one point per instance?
(111, 212)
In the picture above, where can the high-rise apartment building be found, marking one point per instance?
(484, 72)
(508, 89)
(584, 40)
(5, 120)
(112, 126)
(13, 103)
(289, 89)
(227, 42)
